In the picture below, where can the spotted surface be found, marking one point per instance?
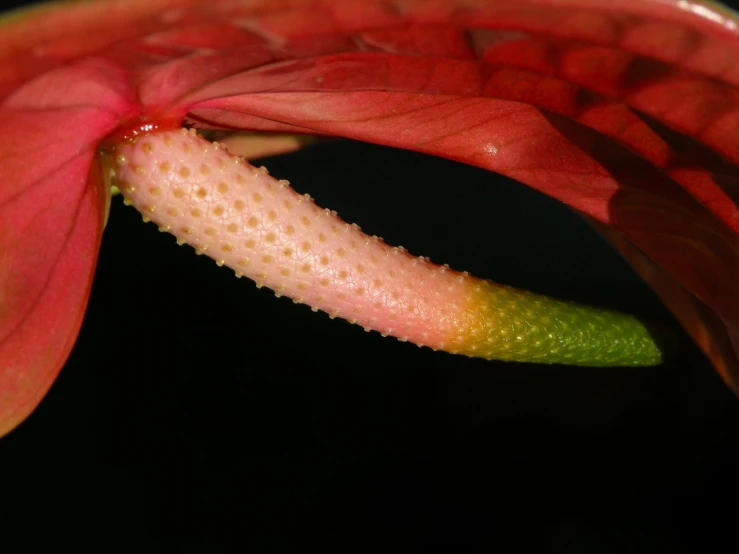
(512, 324)
(262, 229)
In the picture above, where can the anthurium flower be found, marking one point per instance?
(624, 110)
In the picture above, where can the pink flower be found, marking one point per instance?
(626, 111)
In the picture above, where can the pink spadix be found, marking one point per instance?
(262, 229)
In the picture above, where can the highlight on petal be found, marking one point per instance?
(259, 227)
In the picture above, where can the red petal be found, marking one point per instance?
(718, 342)
(52, 204)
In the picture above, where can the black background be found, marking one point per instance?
(197, 413)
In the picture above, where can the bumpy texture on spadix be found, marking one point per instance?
(261, 228)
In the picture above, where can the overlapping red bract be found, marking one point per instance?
(627, 110)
